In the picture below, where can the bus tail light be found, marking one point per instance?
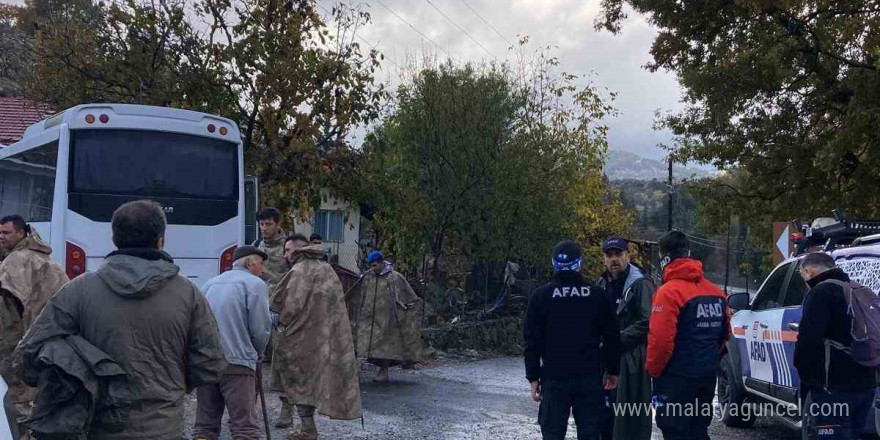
(104, 119)
(90, 119)
(226, 259)
(223, 131)
(211, 128)
(75, 261)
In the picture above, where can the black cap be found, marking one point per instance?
(615, 243)
(674, 244)
(566, 252)
(248, 250)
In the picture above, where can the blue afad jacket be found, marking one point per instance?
(570, 330)
(690, 323)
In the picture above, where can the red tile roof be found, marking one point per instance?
(16, 115)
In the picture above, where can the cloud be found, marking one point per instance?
(567, 25)
(617, 60)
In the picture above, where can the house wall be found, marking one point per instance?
(347, 249)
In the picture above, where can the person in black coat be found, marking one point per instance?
(570, 332)
(844, 382)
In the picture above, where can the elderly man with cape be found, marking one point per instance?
(385, 312)
(314, 353)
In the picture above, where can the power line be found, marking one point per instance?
(414, 28)
(363, 39)
(461, 29)
(485, 21)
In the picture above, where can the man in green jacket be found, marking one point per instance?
(631, 292)
(148, 318)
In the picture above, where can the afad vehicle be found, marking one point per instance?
(757, 376)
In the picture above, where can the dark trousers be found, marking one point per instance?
(235, 393)
(583, 397)
(684, 406)
(835, 415)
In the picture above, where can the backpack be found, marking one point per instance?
(863, 309)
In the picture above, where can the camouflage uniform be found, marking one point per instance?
(28, 278)
(385, 314)
(276, 265)
(314, 357)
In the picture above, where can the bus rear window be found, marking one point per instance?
(152, 164)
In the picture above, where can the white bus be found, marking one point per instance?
(72, 170)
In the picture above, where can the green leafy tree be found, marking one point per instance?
(490, 164)
(15, 49)
(295, 84)
(783, 94)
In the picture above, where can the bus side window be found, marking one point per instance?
(27, 183)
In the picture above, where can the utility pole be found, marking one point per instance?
(669, 220)
(727, 258)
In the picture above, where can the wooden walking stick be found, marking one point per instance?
(263, 400)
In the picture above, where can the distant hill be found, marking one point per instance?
(623, 165)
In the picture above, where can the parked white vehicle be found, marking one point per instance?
(758, 367)
(69, 173)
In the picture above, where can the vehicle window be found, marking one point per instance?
(27, 183)
(153, 164)
(794, 294)
(768, 296)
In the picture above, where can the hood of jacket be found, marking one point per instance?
(686, 269)
(310, 252)
(137, 273)
(635, 274)
(830, 274)
(34, 243)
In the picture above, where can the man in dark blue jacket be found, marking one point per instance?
(570, 331)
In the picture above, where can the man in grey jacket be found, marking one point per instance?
(631, 292)
(240, 302)
(149, 319)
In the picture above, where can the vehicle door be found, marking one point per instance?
(782, 340)
(763, 369)
(251, 205)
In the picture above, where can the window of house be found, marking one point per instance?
(329, 224)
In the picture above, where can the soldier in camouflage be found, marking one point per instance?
(272, 243)
(315, 354)
(385, 317)
(28, 278)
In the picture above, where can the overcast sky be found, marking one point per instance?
(617, 60)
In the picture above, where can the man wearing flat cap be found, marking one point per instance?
(239, 299)
(385, 314)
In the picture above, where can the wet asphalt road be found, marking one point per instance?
(481, 400)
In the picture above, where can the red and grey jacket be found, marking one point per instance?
(689, 325)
